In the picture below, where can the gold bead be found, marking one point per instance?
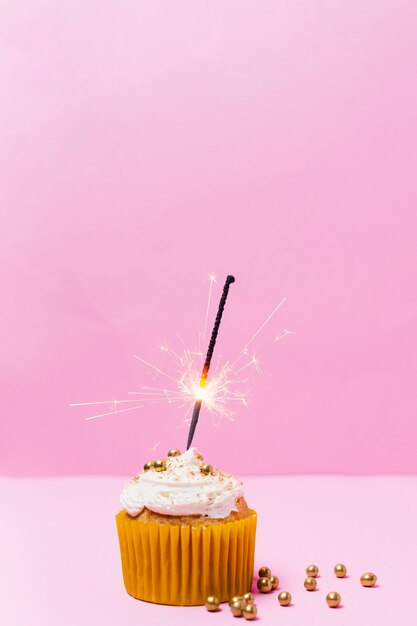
(249, 611)
(206, 468)
(368, 579)
(160, 465)
(248, 598)
(284, 598)
(312, 571)
(148, 465)
(235, 599)
(174, 452)
(264, 572)
(211, 603)
(310, 583)
(264, 585)
(236, 608)
(274, 582)
(333, 599)
(340, 570)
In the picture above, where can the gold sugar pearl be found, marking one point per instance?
(264, 572)
(206, 469)
(340, 570)
(174, 452)
(284, 598)
(160, 465)
(310, 583)
(249, 611)
(211, 603)
(333, 599)
(248, 598)
(236, 599)
(148, 465)
(368, 579)
(264, 585)
(274, 582)
(236, 608)
(312, 571)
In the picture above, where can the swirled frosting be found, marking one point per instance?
(182, 489)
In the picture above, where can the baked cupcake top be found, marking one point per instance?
(182, 488)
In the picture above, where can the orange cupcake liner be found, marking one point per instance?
(183, 564)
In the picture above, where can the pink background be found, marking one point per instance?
(144, 145)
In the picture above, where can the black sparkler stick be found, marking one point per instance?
(203, 379)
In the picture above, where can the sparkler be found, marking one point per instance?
(221, 392)
(203, 379)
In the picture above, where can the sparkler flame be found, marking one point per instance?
(223, 392)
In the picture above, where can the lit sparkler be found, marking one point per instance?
(207, 362)
(222, 392)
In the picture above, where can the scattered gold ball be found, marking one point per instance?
(211, 603)
(310, 583)
(333, 599)
(284, 598)
(148, 465)
(235, 599)
(340, 570)
(160, 465)
(174, 452)
(206, 468)
(312, 571)
(248, 598)
(274, 582)
(236, 608)
(249, 611)
(264, 585)
(264, 572)
(368, 579)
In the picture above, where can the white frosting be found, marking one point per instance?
(182, 489)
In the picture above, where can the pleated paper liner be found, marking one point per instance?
(183, 564)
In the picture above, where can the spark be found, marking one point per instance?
(114, 402)
(166, 348)
(244, 350)
(262, 326)
(254, 361)
(157, 369)
(284, 334)
(212, 280)
(131, 408)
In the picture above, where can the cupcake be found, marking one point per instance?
(185, 533)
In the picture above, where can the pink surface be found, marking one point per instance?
(60, 562)
(145, 144)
